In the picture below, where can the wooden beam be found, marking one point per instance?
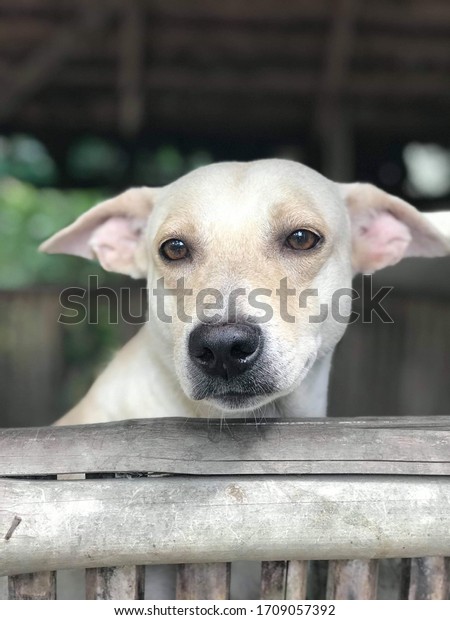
(408, 446)
(238, 12)
(131, 68)
(71, 524)
(244, 118)
(40, 66)
(393, 86)
(334, 127)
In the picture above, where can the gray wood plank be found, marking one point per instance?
(352, 580)
(297, 580)
(70, 524)
(207, 581)
(39, 586)
(273, 581)
(191, 446)
(115, 583)
(429, 579)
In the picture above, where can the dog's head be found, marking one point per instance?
(249, 268)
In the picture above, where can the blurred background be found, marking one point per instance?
(99, 95)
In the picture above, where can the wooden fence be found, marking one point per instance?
(205, 493)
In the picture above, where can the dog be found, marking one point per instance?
(233, 234)
(228, 236)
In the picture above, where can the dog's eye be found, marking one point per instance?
(302, 239)
(174, 249)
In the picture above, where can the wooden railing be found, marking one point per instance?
(205, 493)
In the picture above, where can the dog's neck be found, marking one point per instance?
(309, 399)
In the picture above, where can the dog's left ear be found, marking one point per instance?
(386, 229)
(111, 232)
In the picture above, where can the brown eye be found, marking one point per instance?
(302, 239)
(174, 249)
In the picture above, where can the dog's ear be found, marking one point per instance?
(111, 232)
(386, 229)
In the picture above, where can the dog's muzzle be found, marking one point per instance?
(226, 350)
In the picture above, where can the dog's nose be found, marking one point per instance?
(225, 350)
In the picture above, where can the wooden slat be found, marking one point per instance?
(273, 580)
(207, 581)
(284, 580)
(115, 583)
(33, 586)
(352, 580)
(429, 579)
(192, 446)
(297, 580)
(190, 519)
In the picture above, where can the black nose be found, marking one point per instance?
(225, 350)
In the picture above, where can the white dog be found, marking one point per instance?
(237, 236)
(265, 252)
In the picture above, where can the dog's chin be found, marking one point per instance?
(236, 401)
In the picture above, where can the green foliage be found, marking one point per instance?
(24, 157)
(94, 159)
(28, 216)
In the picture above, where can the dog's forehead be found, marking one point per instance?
(233, 191)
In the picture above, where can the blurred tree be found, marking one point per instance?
(28, 216)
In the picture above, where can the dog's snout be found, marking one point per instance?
(225, 350)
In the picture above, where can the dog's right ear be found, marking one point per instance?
(111, 232)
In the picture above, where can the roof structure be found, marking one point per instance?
(111, 64)
(275, 68)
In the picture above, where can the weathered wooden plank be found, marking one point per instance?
(352, 580)
(192, 446)
(115, 583)
(429, 579)
(207, 581)
(69, 524)
(33, 586)
(273, 581)
(297, 580)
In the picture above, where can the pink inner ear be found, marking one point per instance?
(379, 241)
(114, 243)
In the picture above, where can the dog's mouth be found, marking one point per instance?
(234, 398)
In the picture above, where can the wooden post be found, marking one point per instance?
(429, 579)
(284, 580)
(116, 583)
(297, 580)
(352, 580)
(273, 581)
(208, 581)
(33, 586)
